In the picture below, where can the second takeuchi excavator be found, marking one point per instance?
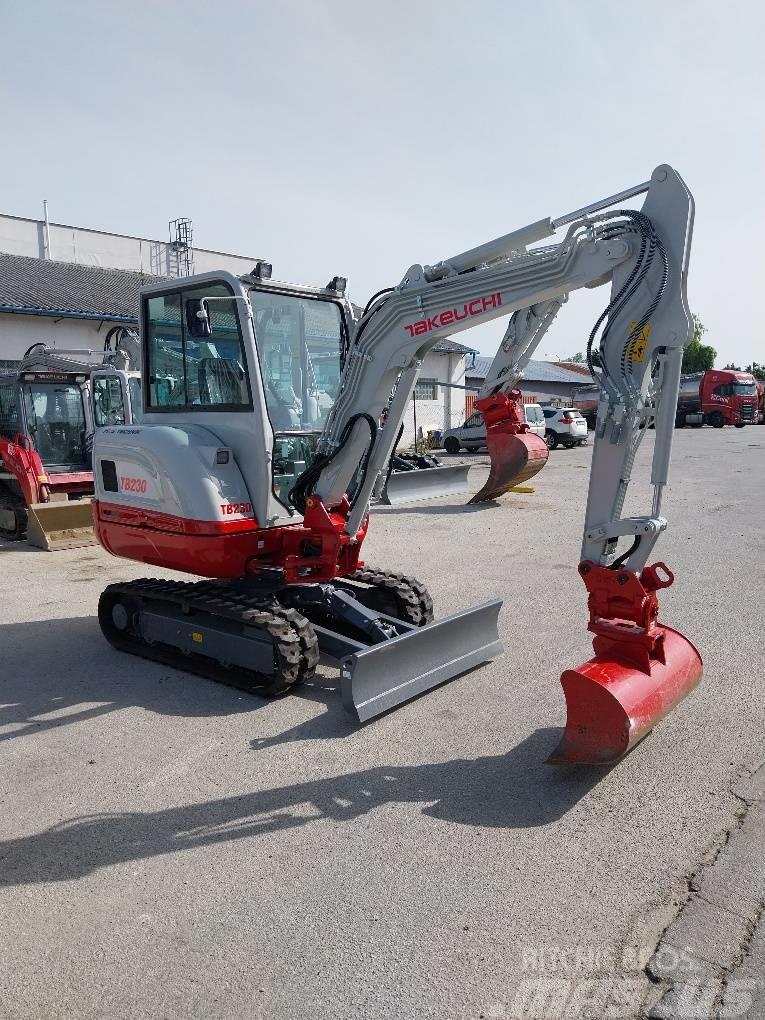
(242, 474)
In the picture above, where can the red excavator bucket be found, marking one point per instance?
(639, 672)
(516, 454)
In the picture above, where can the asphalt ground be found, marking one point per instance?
(172, 847)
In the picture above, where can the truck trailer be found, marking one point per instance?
(717, 397)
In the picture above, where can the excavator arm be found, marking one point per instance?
(640, 669)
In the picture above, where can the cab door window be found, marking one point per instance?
(189, 372)
(136, 400)
(108, 407)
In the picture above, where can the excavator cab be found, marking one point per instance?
(46, 461)
(116, 397)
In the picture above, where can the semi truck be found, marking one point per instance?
(717, 397)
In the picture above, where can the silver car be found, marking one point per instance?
(564, 426)
(472, 435)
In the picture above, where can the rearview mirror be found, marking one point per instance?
(198, 318)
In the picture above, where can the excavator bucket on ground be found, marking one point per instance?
(515, 457)
(639, 672)
(60, 524)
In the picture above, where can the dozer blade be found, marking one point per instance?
(60, 525)
(388, 674)
(425, 483)
(613, 703)
(514, 459)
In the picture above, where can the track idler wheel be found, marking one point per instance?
(636, 676)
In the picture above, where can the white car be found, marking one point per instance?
(564, 426)
(472, 435)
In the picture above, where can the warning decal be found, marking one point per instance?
(637, 345)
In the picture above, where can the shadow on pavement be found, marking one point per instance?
(20, 546)
(512, 790)
(66, 670)
(437, 508)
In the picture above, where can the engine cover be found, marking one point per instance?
(173, 496)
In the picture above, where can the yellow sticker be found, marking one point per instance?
(196, 636)
(636, 347)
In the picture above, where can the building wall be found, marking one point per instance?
(448, 408)
(19, 332)
(20, 236)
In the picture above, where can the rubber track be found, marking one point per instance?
(412, 596)
(296, 649)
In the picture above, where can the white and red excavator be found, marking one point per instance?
(49, 408)
(263, 438)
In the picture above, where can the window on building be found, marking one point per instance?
(188, 372)
(426, 389)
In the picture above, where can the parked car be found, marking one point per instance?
(564, 426)
(472, 435)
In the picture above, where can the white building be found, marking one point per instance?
(439, 397)
(67, 285)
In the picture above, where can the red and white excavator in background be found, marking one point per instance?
(49, 408)
(261, 445)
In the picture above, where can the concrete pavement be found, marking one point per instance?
(170, 847)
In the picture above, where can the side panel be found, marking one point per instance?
(171, 470)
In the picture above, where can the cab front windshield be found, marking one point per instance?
(55, 421)
(744, 390)
(300, 346)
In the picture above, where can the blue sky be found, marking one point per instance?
(334, 137)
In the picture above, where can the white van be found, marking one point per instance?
(472, 435)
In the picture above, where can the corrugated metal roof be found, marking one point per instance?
(69, 289)
(39, 285)
(535, 371)
(451, 347)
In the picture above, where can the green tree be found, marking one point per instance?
(576, 359)
(757, 370)
(698, 357)
(730, 367)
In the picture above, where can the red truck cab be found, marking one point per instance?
(717, 397)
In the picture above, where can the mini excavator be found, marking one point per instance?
(264, 435)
